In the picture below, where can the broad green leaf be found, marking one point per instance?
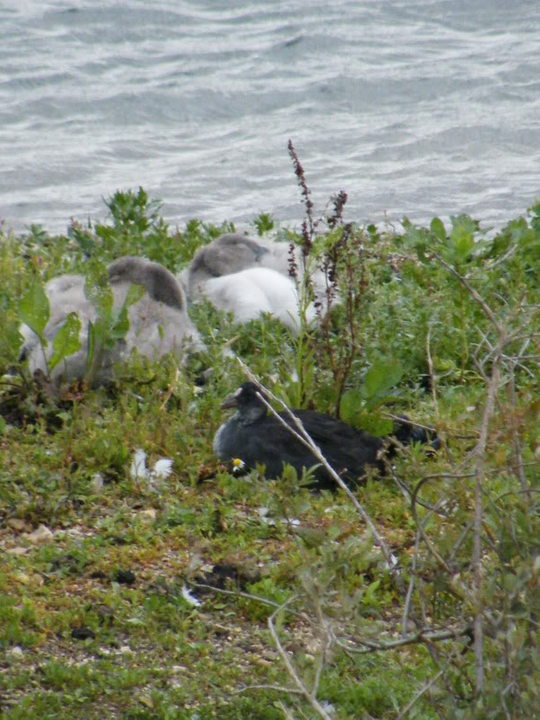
(134, 293)
(118, 327)
(443, 364)
(13, 336)
(67, 340)
(65, 417)
(374, 424)
(381, 426)
(116, 323)
(463, 242)
(421, 253)
(375, 402)
(101, 297)
(34, 309)
(351, 406)
(381, 377)
(135, 621)
(311, 538)
(437, 228)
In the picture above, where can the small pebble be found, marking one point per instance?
(41, 535)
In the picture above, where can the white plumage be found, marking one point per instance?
(257, 290)
(249, 277)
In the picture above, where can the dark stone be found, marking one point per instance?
(124, 577)
(82, 633)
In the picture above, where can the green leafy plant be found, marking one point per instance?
(34, 310)
(137, 228)
(358, 406)
(66, 341)
(264, 223)
(109, 328)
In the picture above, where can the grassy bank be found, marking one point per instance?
(212, 594)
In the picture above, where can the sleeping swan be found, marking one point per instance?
(232, 252)
(158, 321)
(249, 277)
(250, 292)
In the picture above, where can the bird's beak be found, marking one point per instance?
(229, 402)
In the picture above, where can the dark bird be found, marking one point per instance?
(257, 437)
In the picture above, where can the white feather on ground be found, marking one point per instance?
(138, 470)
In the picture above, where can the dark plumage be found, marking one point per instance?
(255, 436)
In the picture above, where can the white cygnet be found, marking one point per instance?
(257, 290)
(249, 277)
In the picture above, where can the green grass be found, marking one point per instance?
(150, 653)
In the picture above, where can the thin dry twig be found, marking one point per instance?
(304, 438)
(265, 686)
(407, 494)
(412, 578)
(429, 428)
(432, 374)
(424, 638)
(169, 390)
(419, 694)
(472, 292)
(520, 468)
(286, 711)
(311, 699)
(493, 387)
(327, 641)
(239, 593)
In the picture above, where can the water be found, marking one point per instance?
(414, 107)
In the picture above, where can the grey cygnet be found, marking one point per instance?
(158, 321)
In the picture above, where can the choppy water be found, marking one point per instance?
(416, 107)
